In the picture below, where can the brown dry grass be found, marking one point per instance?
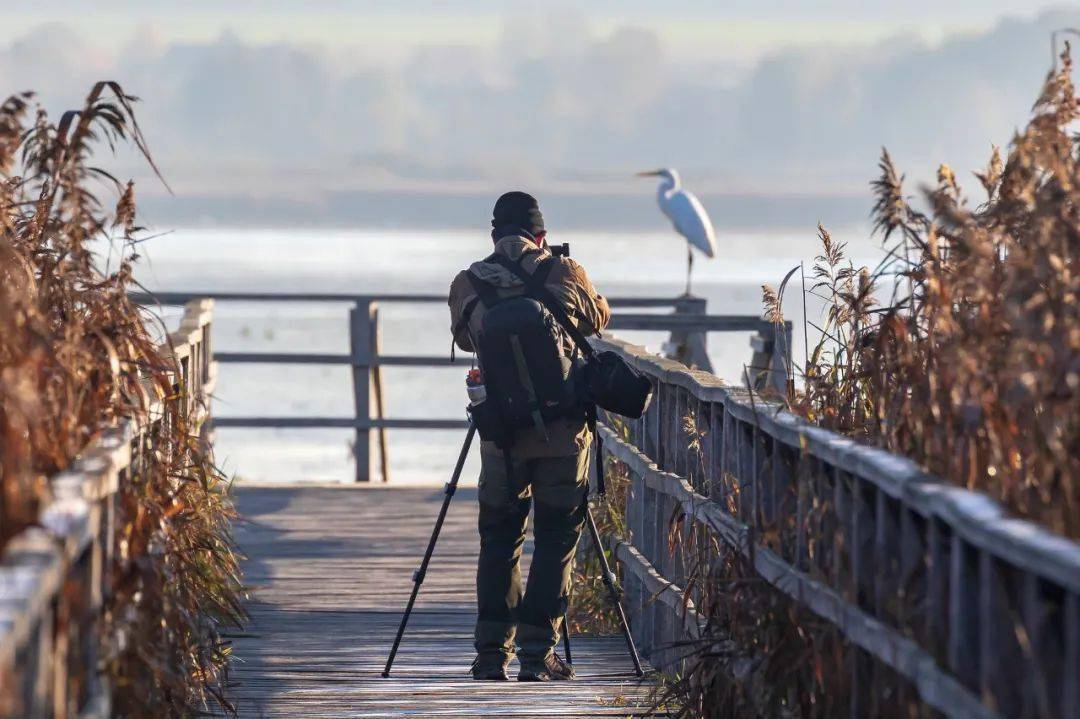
(75, 357)
(961, 350)
(971, 366)
(591, 611)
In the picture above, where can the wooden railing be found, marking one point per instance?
(54, 578)
(977, 611)
(688, 324)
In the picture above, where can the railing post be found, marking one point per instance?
(781, 359)
(771, 358)
(1070, 683)
(360, 341)
(804, 483)
(690, 347)
(963, 634)
(206, 428)
(379, 397)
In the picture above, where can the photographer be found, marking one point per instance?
(545, 464)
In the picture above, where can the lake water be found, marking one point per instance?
(415, 262)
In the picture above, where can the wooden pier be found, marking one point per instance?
(331, 569)
(952, 605)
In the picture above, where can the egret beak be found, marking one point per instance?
(650, 173)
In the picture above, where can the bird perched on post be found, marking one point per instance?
(686, 213)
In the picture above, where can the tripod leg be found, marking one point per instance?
(613, 592)
(566, 639)
(418, 575)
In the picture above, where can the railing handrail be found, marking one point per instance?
(619, 321)
(974, 524)
(179, 297)
(940, 690)
(978, 518)
(689, 321)
(75, 535)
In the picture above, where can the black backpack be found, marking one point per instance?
(528, 378)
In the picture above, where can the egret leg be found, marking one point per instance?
(689, 267)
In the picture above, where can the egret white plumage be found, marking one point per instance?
(686, 213)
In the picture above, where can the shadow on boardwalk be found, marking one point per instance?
(330, 569)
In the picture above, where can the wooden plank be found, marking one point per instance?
(360, 335)
(340, 359)
(379, 398)
(937, 688)
(1070, 675)
(977, 518)
(179, 298)
(339, 422)
(687, 323)
(331, 570)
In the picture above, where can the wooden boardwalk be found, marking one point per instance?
(330, 569)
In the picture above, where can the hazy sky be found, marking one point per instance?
(301, 99)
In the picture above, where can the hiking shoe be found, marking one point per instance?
(490, 669)
(550, 669)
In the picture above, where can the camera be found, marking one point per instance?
(562, 250)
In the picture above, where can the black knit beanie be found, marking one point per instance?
(514, 212)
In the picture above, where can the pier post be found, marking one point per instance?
(771, 359)
(379, 397)
(361, 335)
(689, 346)
(780, 362)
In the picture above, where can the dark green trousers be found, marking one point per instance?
(532, 614)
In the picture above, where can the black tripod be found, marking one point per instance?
(608, 576)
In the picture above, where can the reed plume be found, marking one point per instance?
(961, 350)
(972, 366)
(76, 356)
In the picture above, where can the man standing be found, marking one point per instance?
(547, 468)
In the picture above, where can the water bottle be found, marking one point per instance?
(474, 385)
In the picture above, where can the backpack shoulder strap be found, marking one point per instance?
(534, 285)
(543, 269)
(485, 291)
(463, 321)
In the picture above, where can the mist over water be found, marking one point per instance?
(592, 96)
(377, 261)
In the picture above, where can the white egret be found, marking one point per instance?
(686, 213)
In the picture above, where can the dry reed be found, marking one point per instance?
(591, 611)
(971, 366)
(75, 357)
(961, 350)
